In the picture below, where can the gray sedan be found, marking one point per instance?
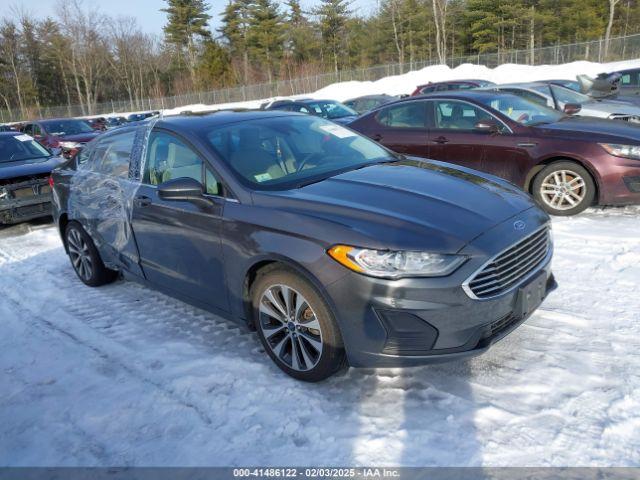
(572, 102)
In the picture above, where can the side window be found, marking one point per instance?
(169, 158)
(629, 79)
(83, 156)
(112, 154)
(454, 115)
(428, 90)
(28, 129)
(404, 115)
(532, 97)
(212, 184)
(36, 130)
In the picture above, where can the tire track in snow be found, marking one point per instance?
(113, 359)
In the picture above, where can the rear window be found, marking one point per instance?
(20, 147)
(112, 154)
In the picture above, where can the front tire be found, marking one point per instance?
(85, 259)
(564, 188)
(296, 326)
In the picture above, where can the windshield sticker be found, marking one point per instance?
(262, 177)
(338, 131)
(24, 138)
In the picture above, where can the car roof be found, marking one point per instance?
(218, 118)
(445, 82)
(456, 95)
(366, 97)
(519, 85)
(12, 133)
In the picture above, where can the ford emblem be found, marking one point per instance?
(519, 225)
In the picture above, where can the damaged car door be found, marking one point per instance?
(178, 235)
(100, 196)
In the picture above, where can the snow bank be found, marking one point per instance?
(406, 83)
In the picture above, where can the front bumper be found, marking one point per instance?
(620, 182)
(415, 321)
(25, 201)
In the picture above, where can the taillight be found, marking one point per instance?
(51, 181)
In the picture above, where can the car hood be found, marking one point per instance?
(413, 204)
(23, 168)
(610, 106)
(591, 129)
(78, 137)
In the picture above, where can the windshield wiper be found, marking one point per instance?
(345, 170)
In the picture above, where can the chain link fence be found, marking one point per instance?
(620, 48)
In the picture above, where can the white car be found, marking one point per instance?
(572, 102)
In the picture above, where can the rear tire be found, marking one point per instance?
(296, 326)
(564, 188)
(85, 259)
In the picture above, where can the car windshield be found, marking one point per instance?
(20, 147)
(331, 110)
(565, 95)
(520, 110)
(284, 152)
(67, 127)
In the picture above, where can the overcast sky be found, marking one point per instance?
(148, 11)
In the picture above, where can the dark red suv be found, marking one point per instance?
(567, 163)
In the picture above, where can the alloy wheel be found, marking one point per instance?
(79, 254)
(563, 190)
(290, 327)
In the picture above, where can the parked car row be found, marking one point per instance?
(30, 150)
(527, 133)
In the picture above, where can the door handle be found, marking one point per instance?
(142, 201)
(441, 140)
(377, 137)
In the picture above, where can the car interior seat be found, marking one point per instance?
(182, 162)
(252, 160)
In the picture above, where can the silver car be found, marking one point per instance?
(572, 102)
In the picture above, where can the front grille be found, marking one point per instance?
(625, 118)
(511, 266)
(499, 325)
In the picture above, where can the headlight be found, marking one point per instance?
(395, 264)
(625, 151)
(69, 144)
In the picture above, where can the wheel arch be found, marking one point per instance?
(63, 221)
(555, 159)
(263, 265)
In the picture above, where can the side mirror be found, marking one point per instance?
(183, 188)
(572, 108)
(487, 126)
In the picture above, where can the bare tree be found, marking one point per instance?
(88, 62)
(607, 33)
(440, 20)
(398, 38)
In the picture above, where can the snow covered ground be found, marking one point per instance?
(122, 375)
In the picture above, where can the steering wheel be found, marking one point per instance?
(304, 161)
(523, 117)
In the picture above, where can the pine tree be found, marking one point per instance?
(265, 36)
(301, 42)
(236, 20)
(332, 18)
(187, 22)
